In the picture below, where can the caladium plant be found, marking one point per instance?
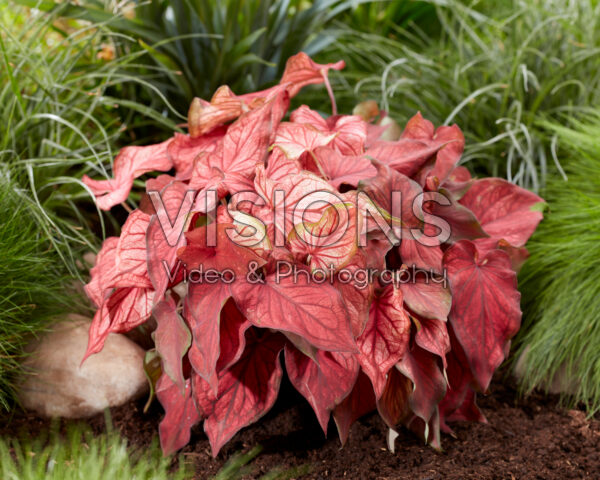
(374, 270)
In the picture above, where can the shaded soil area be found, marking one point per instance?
(528, 438)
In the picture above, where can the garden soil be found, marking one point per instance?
(531, 438)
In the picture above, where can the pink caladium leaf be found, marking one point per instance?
(225, 106)
(172, 339)
(103, 272)
(301, 70)
(203, 306)
(329, 243)
(504, 210)
(315, 312)
(162, 241)
(418, 128)
(184, 149)
(125, 309)
(460, 222)
(247, 390)
(398, 196)
(324, 383)
(351, 134)
(296, 138)
(422, 255)
(485, 311)
(385, 338)
(340, 169)
(131, 163)
(358, 293)
(180, 414)
(357, 403)
(231, 166)
(131, 249)
(517, 255)
(286, 196)
(350, 130)
(279, 166)
(224, 256)
(406, 155)
(448, 156)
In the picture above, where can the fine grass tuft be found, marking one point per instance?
(60, 120)
(495, 69)
(33, 284)
(561, 280)
(80, 455)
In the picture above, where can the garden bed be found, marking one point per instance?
(526, 439)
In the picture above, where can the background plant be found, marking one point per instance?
(77, 454)
(196, 46)
(32, 282)
(496, 69)
(61, 120)
(560, 280)
(58, 122)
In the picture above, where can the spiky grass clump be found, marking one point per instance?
(495, 69)
(60, 121)
(561, 280)
(193, 47)
(33, 285)
(80, 455)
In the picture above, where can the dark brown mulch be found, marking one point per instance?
(524, 439)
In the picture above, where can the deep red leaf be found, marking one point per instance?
(359, 402)
(504, 210)
(429, 382)
(172, 338)
(180, 414)
(203, 306)
(485, 305)
(393, 404)
(232, 336)
(324, 383)
(427, 298)
(247, 390)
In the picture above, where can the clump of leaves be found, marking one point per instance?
(79, 454)
(195, 46)
(32, 282)
(211, 250)
(562, 329)
(60, 120)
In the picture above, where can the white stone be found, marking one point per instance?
(57, 385)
